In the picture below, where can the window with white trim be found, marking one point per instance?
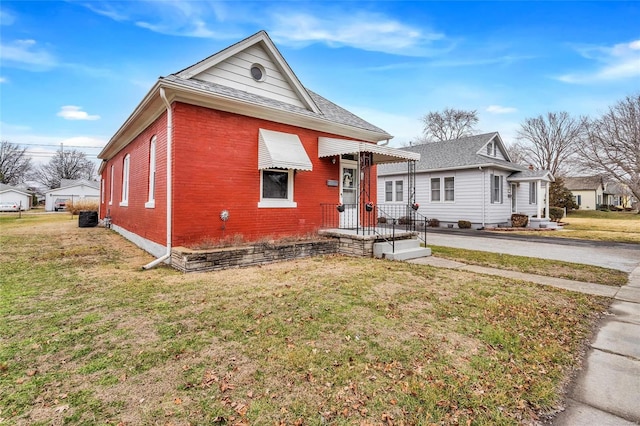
(111, 185)
(399, 190)
(151, 201)
(101, 191)
(533, 193)
(125, 180)
(449, 188)
(388, 191)
(435, 190)
(276, 188)
(496, 189)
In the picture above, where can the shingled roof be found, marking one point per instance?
(464, 153)
(577, 183)
(328, 110)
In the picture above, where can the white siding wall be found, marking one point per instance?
(588, 199)
(16, 197)
(235, 72)
(523, 199)
(472, 189)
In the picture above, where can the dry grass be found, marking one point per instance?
(90, 338)
(623, 227)
(75, 207)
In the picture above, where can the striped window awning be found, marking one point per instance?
(278, 150)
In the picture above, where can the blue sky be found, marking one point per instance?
(72, 72)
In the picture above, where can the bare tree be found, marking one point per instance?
(517, 153)
(66, 164)
(449, 124)
(14, 163)
(613, 144)
(549, 142)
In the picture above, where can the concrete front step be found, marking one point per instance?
(404, 250)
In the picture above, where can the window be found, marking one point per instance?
(449, 193)
(276, 188)
(258, 72)
(496, 189)
(111, 186)
(533, 193)
(151, 202)
(489, 150)
(399, 188)
(388, 191)
(125, 180)
(578, 199)
(435, 189)
(102, 191)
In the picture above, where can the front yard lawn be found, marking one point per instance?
(530, 265)
(87, 337)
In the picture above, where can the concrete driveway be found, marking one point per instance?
(621, 256)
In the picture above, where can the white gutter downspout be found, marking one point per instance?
(167, 255)
(484, 195)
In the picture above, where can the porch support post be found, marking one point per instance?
(546, 198)
(539, 197)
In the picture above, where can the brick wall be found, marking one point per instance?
(215, 168)
(148, 223)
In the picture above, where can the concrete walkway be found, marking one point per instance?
(607, 390)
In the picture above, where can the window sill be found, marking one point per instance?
(276, 204)
(150, 204)
(124, 204)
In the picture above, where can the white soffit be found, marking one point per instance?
(282, 151)
(329, 147)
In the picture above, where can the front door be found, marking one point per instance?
(349, 184)
(514, 198)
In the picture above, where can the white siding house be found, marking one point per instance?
(10, 194)
(72, 190)
(470, 179)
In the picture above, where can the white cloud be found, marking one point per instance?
(3, 80)
(178, 18)
(26, 53)
(618, 62)
(72, 112)
(361, 30)
(42, 147)
(334, 26)
(6, 18)
(498, 109)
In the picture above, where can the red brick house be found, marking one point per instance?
(235, 145)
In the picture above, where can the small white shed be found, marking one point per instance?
(72, 190)
(11, 194)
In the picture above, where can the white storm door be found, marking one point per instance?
(349, 184)
(514, 198)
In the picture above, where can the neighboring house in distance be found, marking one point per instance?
(236, 146)
(72, 190)
(618, 195)
(588, 191)
(470, 178)
(12, 194)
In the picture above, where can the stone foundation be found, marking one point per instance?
(189, 260)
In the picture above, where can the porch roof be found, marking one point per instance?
(328, 147)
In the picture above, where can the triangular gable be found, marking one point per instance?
(499, 146)
(232, 67)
